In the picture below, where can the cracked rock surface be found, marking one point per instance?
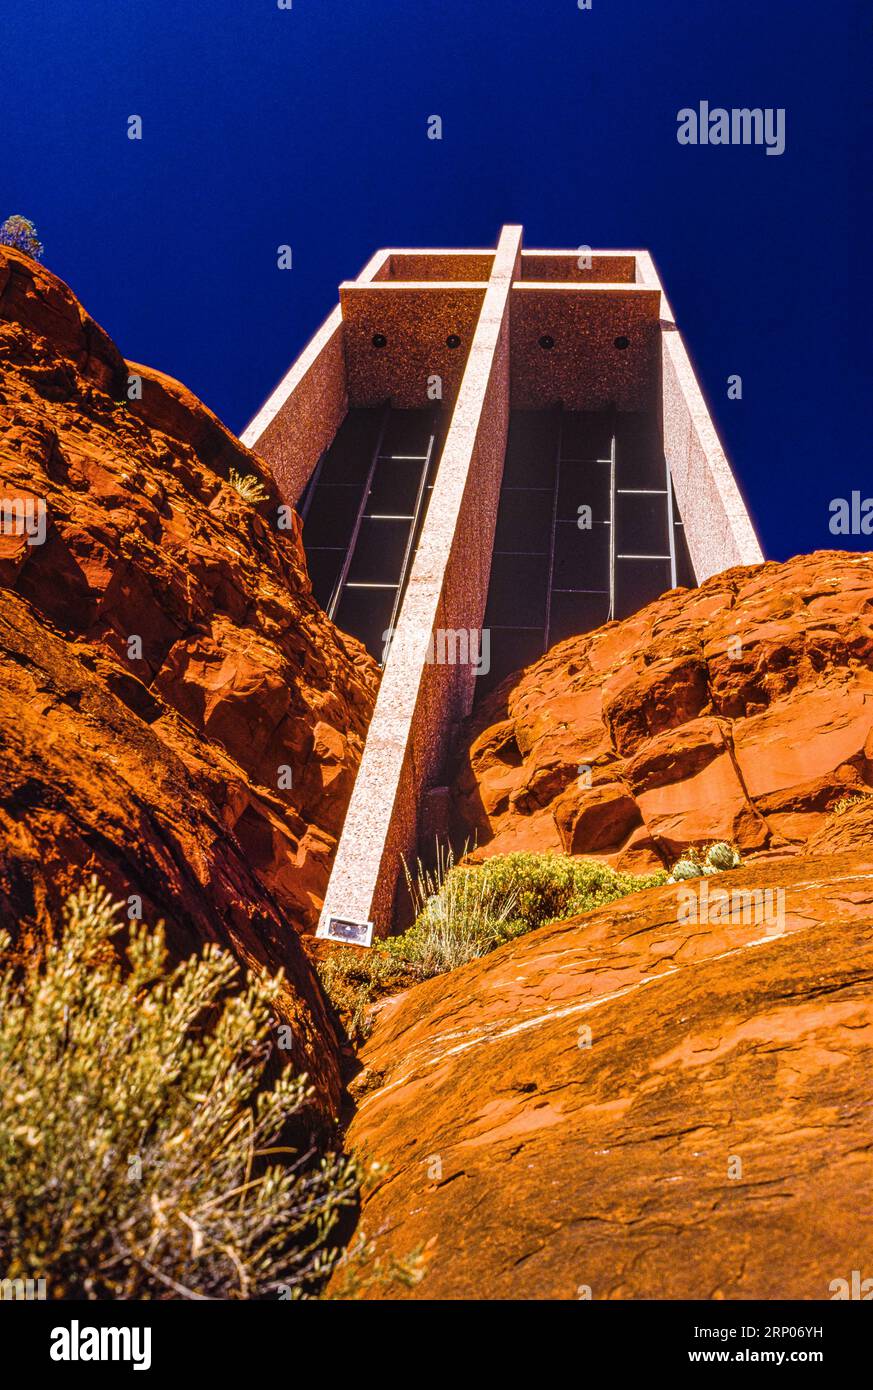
(637, 1104)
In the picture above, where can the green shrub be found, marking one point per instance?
(20, 232)
(249, 487)
(464, 911)
(551, 887)
(138, 1146)
(461, 912)
(352, 979)
(362, 1273)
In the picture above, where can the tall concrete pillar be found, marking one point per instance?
(424, 686)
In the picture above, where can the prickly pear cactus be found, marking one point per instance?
(685, 868)
(722, 856)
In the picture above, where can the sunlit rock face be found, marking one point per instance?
(738, 711)
(176, 712)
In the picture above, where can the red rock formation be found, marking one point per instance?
(638, 1105)
(667, 1097)
(163, 763)
(739, 711)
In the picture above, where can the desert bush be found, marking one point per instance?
(353, 979)
(19, 232)
(249, 487)
(550, 887)
(362, 1273)
(139, 1147)
(463, 911)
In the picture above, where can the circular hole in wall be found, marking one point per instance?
(622, 342)
(379, 340)
(547, 342)
(453, 341)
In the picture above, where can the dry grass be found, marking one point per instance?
(463, 911)
(249, 487)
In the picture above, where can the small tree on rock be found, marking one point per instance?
(20, 232)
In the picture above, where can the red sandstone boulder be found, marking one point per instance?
(595, 819)
(637, 1103)
(738, 711)
(177, 714)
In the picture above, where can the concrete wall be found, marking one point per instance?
(416, 320)
(584, 370)
(299, 420)
(718, 528)
(616, 267)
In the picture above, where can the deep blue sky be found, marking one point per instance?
(308, 127)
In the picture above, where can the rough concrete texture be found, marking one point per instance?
(739, 711)
(439, 265)
(299, 420)
(583, 265)
(584, 370)
(416, 322)
(718, 529)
